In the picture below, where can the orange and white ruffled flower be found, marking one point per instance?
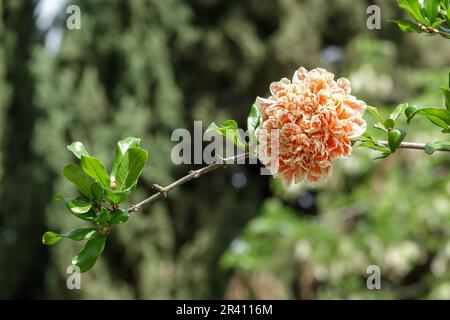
(306, 123)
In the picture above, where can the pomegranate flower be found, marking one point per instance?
(306, 123)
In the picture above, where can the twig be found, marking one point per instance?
(412, 145)
(408, 145)
(431, 30)
(193, 174)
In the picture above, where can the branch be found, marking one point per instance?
(412, 145)
(163, 191)
(193, 174)
(431, 30)
(408, 145)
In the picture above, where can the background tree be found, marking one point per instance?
(25, 186)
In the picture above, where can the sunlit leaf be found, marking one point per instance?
(430, 9)
(79, 234)
(439, 116)
(446, 93)
(96, 170)
(413, 8)
(130, 168)
(121, 148)
(230, 130)
(397, 111)
(78, 149)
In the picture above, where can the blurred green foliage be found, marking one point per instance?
(144, 68)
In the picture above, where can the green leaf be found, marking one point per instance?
(437, 22)
(407, 25)
(103, 216)
(253, 120)
(389, 123)
(372, 145)
(449, 73)
(50, 238)
(230, 130)
(79, 234)
(130, 168)
(375, 113)
(398, 110)
(446, 93)
(437, 146)
(88, 255)
(78, 205)
(78, 149)
(395, 138)
(117, 197)
(430, 9)
(119, 216)
(380, 126)
(121, 148)
(382, 156)
(439, 116)
(97, 191)
(79, 208)
(74, 174)
(96, 170)
(412, 6)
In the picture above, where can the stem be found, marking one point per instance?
(408, 145)
(162, 191)
(432, 30)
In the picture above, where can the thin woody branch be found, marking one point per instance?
(193, 174)
(411, 145)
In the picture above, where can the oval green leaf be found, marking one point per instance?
(253, 121)
(78, 205)
(229, 129)
(96, 170)
(50, 238)
(97, 191)
(130, 168)
(74, 174)
(438, 116)
(119, 216)
(88, 255)
(116, 197)
(78, 149)
(121, 148)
